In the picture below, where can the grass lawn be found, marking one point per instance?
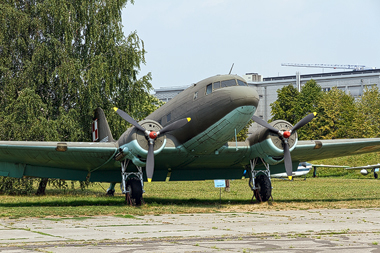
(197, 196)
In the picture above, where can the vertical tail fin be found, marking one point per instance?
(100, 130)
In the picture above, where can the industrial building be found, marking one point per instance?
(352, 82)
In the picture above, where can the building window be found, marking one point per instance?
(326, 89)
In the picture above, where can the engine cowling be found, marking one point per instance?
(269, 145)
(134, 145)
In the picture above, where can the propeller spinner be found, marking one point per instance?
(151, 137)
(284, 136)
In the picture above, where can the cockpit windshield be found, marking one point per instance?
(225, 83)
(241, 83)
(228, 83)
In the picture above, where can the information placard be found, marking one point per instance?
(220, 183)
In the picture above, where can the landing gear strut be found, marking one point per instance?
(111, 189)
(132, 184)
(260, 182)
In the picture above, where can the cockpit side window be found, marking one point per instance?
(228, 83)
(209, 89)
(241, 83)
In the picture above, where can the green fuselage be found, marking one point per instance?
(201, 145)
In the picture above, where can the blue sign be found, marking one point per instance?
(220, 183)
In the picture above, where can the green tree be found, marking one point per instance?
(308, 102)
(367, 121)
(74, 56)
(292, 105)
(59, 60)
(25, 119)
(308, 99)
(336, 112)
(285, 105)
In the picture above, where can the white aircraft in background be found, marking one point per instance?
(302, 170)
(305, 167)
(364, 169)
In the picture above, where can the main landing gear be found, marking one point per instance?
(111, 189)
(260, 182)
(132, 184)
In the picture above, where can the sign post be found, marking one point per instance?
(220, 183)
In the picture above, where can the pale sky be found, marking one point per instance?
(187, 41)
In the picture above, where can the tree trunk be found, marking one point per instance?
(42, 187)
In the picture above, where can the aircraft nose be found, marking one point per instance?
(241, 96)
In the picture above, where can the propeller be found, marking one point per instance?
(284, 135)
(151, 136)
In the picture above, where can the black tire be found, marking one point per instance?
(135, 187)
(264, 188)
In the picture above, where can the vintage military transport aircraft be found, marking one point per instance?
(185, 139)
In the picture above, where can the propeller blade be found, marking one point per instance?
(264, 124)
(304, 121)
(288, 161)
(128, 118)
(150, 162)
(175, 125)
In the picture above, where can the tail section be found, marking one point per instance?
(100, 130)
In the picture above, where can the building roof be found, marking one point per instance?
(329, 74)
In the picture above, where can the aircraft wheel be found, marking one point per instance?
(264, 186)
(110, 192)
(135, 190)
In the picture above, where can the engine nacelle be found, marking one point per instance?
(364, 172)
(134, 145)
(269, 145)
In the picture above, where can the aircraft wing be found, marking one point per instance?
(55, 159)
(323, 149)
(330, 166)
(373, 166)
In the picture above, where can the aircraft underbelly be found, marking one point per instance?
(219, 133)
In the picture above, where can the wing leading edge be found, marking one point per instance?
(323, 149)
(65, 160)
